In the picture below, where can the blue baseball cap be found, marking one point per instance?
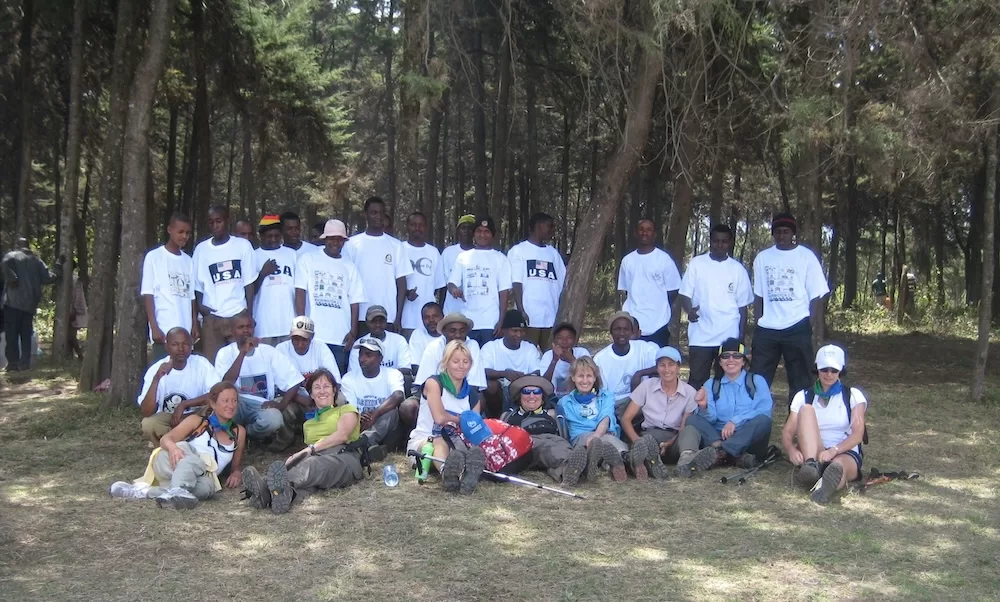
(670, 353)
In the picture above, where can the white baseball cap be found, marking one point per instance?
(830, 356)
(302, 326)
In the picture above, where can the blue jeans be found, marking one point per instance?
(260, 422)
(481, 336)
(751, 437)
(340, 354)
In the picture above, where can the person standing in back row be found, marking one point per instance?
(23, 274)
(428, 277)
(538, 275)
(167, 287)
(382, 263)
(649, 279)
(224, 272)
(291, 234)
(463, 235)
(789, 286)
(715, 293)
(481, 278)
(274, 303)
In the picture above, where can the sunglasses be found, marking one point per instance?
(531, 391)
(731, 355)
(829, 371)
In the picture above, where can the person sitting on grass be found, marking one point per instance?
(376, 391)
(327, 461)
(823, 433)
(505, 360)
(625, 361)
(589, 410)
(666, 403)
(733, 417)
(183, 470)
(535, 412)
(174, 386)
(444, 397)
(554, 365)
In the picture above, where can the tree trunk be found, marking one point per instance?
(531, 170)
(431, 157)
(939, 239)
(246, 174)
(67, 218)
(203, 117)
(715, 188)
(80, 233)
(564, 170)
(680, 210)
(439, 218)
(232, 160)
(615, 177)
(779, 167)
(851, 236)
(129, 357)
(416, 46)
(989, 239)
(478, 120)
(503, 125)
(23, 194)
(169, 206)
(392, 195)
(96, 359)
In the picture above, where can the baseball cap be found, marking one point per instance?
(466, 219)
(369, 343)
(302, 326)
(669, 353)
(375, 310)
(513, 319)
(732, 344)
(830, 356)
(334, 227)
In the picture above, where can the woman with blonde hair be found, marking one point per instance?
(589, 410)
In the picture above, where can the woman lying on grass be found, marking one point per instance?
(443, 399)
(589, 410)
(327, 462)
(823, 434)
(191, 455)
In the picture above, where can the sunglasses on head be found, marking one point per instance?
(829, 370)
(531, 391)
(731, 355)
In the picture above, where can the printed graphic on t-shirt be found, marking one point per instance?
(328, 289)
(588, 410)
(780, 283)
(423, 266)
(477, 281)
(179, 283)
(255, 384)
(388, 258)
(281, 274)
(541, 270)
(625, 385)
(224, 271)
(172, 400)
(368, 403)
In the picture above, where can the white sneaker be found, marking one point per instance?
(123, 489)
(177, 498)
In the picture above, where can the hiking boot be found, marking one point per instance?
(377, 453)
(177, 498)
(451, 471)
(828, 484)
(576, 464)
(255, 489)
(132, 491)
(281, 491)
(637, 457)
(743, 461)
(683, 468)
(595, 454)
(282, 439)
(475, 464)
(700, 462)
(805, 476)
(657, 470)
(155, 492)
(613, 458)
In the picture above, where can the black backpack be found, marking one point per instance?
(534, 424)
(811, 397)
(750, 385)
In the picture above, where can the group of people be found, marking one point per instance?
(357, 345)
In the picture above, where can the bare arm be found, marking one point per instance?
(631, 411)
(743, 323)
(758, 308)
(150, 306)
(518, 293)
(249, 292)
(300, 302)
(236, 466)
(400, 299)
(432, 391)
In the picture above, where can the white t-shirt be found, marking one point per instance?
(430, 363)
(305, 247)
(222, 272)
(169, 279)
(787, 281)
(560, 374)
(448, 258)
(195, 380)
(481, 274)
(380, 260)
(428, 276)
(834, 426)
(395, 353)
(418, 342)
(274, 304)
(318, 356)
(647, 278)
(366, 394)
(617, 370)
(718, 289)
(331, 286)
(260, 373)
(496, 356)
(542, 275)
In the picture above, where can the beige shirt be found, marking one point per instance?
(660, 410)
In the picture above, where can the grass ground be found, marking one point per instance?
(63, 538)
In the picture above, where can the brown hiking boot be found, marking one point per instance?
(806, 475)
(613, 458)
(657, 469)
(451, 472)
(704, 460)
(638, 455)
(475, 464)
(595, 454)
(828, 484)
(576, 464)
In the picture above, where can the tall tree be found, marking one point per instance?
(23, 195)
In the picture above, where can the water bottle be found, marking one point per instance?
(424, 468)
(389, 475)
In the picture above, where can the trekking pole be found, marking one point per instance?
(772, 456)
(503, 477)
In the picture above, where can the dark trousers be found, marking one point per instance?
(482, 336)
(18, 327)
(701, 359)
(661, 337)
(794, 345)
(340, 354)
(752, 437)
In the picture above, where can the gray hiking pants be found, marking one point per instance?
(383, 426)
(687, 440)
(189, 473)
(328, 469)
(550, 452)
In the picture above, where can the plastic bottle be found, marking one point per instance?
(389, 475)
(424, 468)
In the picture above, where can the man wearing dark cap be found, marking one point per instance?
(788, 286)
(463, 242)
(395, 349)
(481, 278)
(505, 360)
(555, 363)
(274, 300)
(23, 274)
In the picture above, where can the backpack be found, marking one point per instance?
(810, 395)
(748, 382)
(535, 424)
